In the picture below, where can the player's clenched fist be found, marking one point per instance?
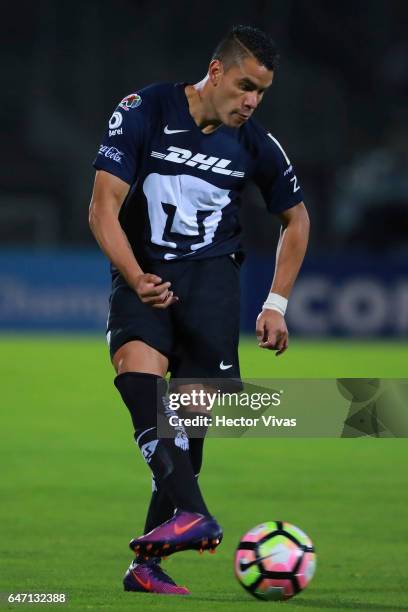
(151, 290)
(271, 331)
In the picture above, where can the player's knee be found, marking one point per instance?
(136, 356)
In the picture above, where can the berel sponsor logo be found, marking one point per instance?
(202, 162)
(111, 153)
(114, 124)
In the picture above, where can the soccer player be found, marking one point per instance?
(164, 209)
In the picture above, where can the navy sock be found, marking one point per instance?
(196, 454)
(168, 458)
(161, 507)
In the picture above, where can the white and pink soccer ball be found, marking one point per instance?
(275, 561)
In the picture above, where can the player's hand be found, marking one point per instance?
(153, 291)
(271, 331)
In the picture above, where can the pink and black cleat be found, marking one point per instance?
(150, 578)
(184, 531)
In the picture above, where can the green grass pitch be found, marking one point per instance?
(74, 488)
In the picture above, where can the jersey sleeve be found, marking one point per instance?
(120, 150)
(275, 175)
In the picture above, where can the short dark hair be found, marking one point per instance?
(243, 41)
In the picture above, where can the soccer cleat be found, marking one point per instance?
(150, 578)
(184, 531)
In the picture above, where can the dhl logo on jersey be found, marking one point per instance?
(202, 162)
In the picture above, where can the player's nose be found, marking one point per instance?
(251, 100)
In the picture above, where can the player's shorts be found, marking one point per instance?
(200, 333)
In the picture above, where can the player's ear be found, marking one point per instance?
(215, 71)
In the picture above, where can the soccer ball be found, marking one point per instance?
(275, 561)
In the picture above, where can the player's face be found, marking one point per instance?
(239, 90)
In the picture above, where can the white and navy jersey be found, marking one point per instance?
(185, 186)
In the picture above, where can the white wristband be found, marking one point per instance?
(274, 301)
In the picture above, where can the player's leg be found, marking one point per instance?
(136, 356)
(143, 389)
(169, 460)
(141, 383)
(138, 364)
(141, 576)
(170, 464)
(140, 340)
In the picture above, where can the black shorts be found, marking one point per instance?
(199, 334)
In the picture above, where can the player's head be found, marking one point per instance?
(240, 71)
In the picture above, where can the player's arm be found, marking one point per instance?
(108, 196)
(275, 175)
(271, 327)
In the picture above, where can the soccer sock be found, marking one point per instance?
(161, 507)
(196, 454)
(168, 458)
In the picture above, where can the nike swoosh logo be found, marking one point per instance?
(179, 530)
(244, 566)
(146, 585)
(225, 367)
(167, 131)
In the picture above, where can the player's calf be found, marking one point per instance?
(168, 458)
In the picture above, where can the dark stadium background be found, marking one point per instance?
(338, 106)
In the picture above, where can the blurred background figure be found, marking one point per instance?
(338, 103)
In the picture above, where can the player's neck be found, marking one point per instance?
(201, 107)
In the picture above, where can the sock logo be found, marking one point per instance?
(181, 440)
(148, 450)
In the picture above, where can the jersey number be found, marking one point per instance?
(296, 187)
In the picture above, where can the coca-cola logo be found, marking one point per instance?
(111, 153)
